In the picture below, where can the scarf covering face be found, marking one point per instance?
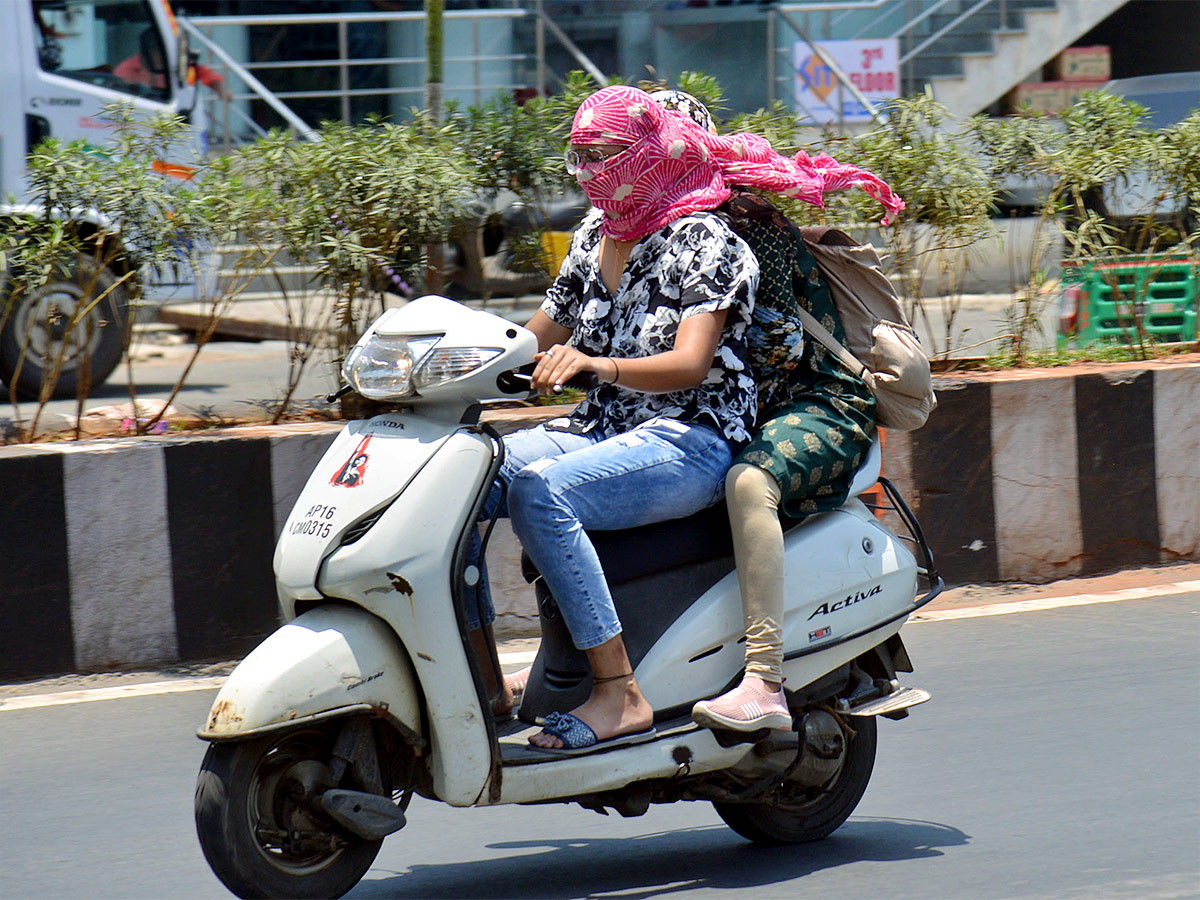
(673, 167)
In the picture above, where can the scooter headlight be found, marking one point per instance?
(381, 368)
(393, 367)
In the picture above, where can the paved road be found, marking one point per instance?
(230, 379)
(1060, 757)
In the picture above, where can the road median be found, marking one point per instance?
(147, 551)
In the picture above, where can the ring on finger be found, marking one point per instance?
(550, 353)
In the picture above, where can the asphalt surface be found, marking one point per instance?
(229, 381)
(1058, 758)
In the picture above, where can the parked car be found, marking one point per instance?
(516, 249)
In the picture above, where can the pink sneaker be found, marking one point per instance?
(748, 707)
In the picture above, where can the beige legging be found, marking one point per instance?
(753, 497)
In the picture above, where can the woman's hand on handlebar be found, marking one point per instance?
(559, 364)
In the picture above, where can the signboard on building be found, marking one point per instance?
(872, 66)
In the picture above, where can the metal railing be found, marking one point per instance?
(944, 30)
(912, 29)
(256, 87)
(337, 70)
(486, 56)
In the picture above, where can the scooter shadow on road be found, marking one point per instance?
(661, 863)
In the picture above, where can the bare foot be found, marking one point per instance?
(615, 707)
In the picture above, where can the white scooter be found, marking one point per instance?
(372, 690)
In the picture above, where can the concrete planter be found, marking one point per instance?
(137, 552)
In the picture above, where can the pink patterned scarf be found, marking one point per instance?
(674, 167)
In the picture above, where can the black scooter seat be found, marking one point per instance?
(634, 553)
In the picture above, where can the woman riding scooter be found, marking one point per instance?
(654, 301)
(815, 424)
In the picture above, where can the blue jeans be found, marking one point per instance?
(561, 484)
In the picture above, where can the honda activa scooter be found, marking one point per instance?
(372, 691)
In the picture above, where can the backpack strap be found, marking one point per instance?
(823, 234)
(848, 359)
(820, 234)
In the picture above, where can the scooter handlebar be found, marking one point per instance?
(583, 381)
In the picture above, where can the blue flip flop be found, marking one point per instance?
(578, 737)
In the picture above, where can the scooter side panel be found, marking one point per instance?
(331, 658)
(834, 588)
(365, 468)
(400, 570)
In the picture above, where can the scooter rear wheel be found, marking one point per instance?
(256, 832)
(788, 816)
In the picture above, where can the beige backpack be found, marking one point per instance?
(883, 347)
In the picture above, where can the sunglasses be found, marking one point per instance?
(588, 156)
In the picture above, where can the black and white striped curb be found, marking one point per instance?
(1034, 476)
(132, 552)
(135, 552)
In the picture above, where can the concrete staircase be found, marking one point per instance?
(972, 52)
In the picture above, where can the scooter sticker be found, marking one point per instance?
(819, 633)
(353, 470)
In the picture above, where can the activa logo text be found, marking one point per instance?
(826, 608)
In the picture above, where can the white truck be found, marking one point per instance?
(61, 62)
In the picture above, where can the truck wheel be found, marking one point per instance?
(38, 331)
(258, 827)
(792, 815)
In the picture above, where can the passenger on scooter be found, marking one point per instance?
(816, 423)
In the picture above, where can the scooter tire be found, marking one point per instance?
(237, 790)
(780, 819)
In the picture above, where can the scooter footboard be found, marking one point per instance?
(330, 661)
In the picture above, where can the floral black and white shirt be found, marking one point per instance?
(693, 265)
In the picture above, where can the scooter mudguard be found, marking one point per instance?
(331, 661)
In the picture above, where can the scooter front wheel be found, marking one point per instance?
(257, 829)
(793, 814)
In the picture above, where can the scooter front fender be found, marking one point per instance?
(333, 660)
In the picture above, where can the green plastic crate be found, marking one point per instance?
(1099, 301)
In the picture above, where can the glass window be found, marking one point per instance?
(112, 43)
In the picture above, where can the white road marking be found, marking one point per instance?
(1021, 606)
(90, 695)
(524, 657)
(176, 686)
